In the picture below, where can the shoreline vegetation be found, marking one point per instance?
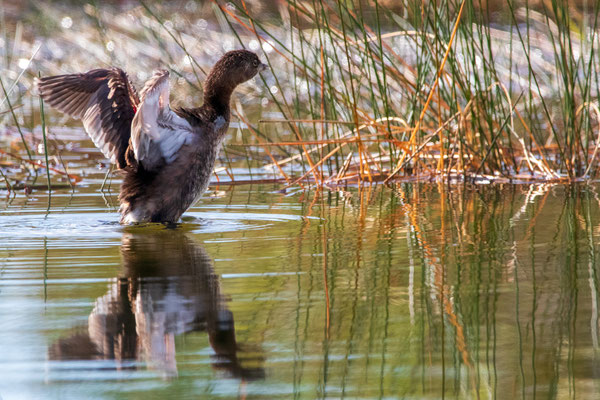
(358, 92)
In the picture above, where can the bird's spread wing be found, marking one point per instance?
(157, 133)
(103, 99)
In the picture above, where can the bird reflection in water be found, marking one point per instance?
(168, 287)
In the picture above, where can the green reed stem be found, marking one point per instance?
(15, 119)
(46, 151)
(6, 181)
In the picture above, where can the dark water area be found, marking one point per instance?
(420, 291)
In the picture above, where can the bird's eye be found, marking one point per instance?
(255, 63)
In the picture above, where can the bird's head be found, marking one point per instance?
(235, 67)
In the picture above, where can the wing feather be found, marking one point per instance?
(157, 133)
(103, 99)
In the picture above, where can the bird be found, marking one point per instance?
(167, 287)
(166, 155)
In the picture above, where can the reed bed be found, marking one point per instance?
(361, 91)
(439, 91)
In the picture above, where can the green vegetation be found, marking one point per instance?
(358, 91)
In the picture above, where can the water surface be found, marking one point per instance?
(420, 291)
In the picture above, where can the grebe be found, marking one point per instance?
(167, 155)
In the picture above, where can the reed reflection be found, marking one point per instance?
(429, 292)
(167, 288)
(507, 300)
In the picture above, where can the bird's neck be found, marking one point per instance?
(217, 93)
(218, 101)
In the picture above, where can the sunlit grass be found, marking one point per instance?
(470, 110)
(359, 92)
